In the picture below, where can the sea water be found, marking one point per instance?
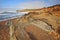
(10, 15)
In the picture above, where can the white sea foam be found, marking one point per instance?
(8, 15)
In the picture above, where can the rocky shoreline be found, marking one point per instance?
(42, 25)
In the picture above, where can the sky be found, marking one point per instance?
(13, 5)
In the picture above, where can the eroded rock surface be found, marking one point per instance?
(41, 25)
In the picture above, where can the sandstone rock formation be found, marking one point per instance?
(43, 24)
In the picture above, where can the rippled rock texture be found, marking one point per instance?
(42, 25)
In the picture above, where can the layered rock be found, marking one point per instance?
(43, 24)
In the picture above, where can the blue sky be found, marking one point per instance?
(12, 5)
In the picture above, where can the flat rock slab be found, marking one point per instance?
(36, 33)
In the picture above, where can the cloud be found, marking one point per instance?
(26, 5)
(7, 9)
(31, 5)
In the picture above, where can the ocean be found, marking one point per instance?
(10, 15)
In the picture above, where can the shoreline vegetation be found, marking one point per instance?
(38, 24)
